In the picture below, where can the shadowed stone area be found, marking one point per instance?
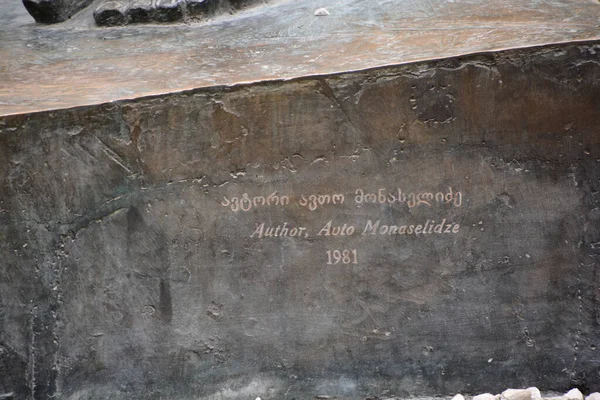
(429, 228)
(54, 11)
(122, 12)
(112, 12)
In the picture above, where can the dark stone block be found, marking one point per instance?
(111, 13)
(201, 8)
(54, 11)
(140, 11)
(168, 10)
(419, 229)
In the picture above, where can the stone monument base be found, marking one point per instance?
(424, 228)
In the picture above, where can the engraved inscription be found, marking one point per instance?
(411, 199)
(331, 230)
(313, 202)
(247, 203)
(342, 256)
(280, 231)
(360, 226)
(428, 228)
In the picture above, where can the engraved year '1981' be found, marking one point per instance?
(342, 256)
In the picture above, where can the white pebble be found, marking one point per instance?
(531, 393)
(484, 396)
(535, 393)
(321, 12)
(593, 396)
(458, 397)
(573, 394)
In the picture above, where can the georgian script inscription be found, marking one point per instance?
(312, 202)
(376, 226)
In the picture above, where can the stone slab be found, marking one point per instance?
(427, 229)
(76, 64)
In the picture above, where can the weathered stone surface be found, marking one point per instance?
(196, 8)
(54, 11)
(282, 41)
(111, 13)
(140, 11)
(115, 12)
(256, 242)
(168, 10)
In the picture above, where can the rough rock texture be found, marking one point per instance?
(117, 12)
(54, 11)
(112, 13)
(148, 246)
(145, 11)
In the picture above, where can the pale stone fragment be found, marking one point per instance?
(573, 394)
(593, 396)
(484, 396)
(321, 12)
(531, 393)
